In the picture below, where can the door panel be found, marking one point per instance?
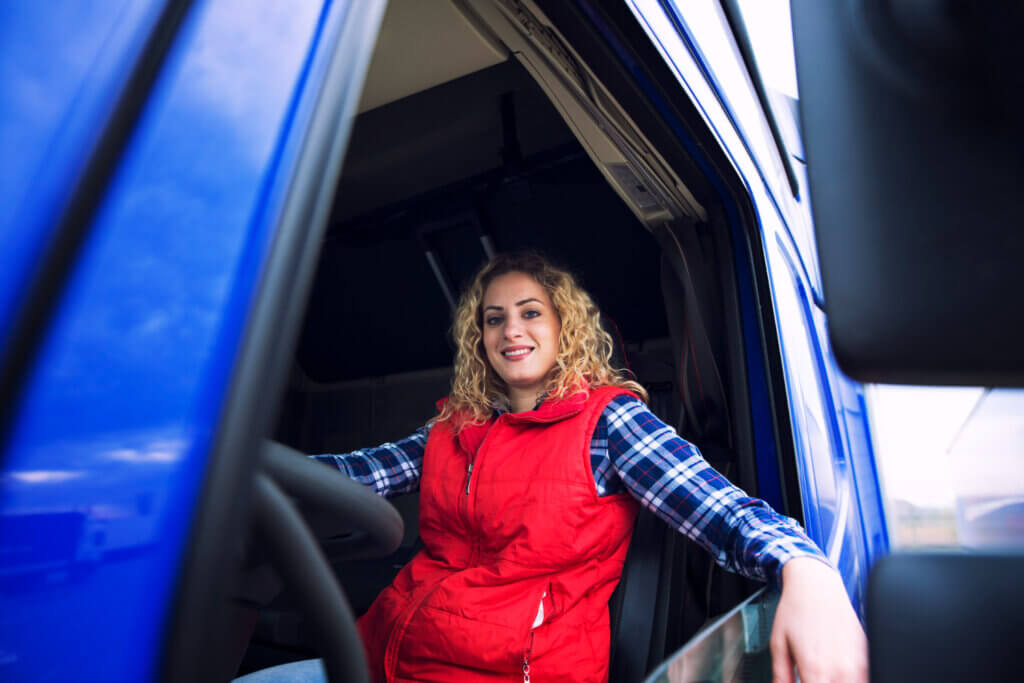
(111, 442)
(62, 67)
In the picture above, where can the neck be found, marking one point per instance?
(520, 402)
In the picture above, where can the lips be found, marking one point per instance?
(516, 352)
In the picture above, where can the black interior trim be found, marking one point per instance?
(268, 346)
(46, 283)
(734, 367)
(462, 198)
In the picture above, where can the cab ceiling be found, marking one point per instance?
(424, 43)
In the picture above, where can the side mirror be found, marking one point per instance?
(944, 617)
(912, 113)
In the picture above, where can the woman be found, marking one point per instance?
(530, 478)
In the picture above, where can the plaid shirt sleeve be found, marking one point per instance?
(670, 478)
(389, 469)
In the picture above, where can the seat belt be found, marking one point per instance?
(639, 606)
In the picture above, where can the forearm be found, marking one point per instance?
(668, 475)
(390, 469)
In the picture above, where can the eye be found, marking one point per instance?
(492, 320)
(530, 313)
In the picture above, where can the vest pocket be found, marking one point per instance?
(549, 604)
(545, 608)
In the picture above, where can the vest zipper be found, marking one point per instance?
(526, 660)
(475, 542)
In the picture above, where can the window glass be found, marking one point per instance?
(949, 460)
(733, 648)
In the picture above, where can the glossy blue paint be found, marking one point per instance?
(836, 502)
(110, 445)
(853, 416)
(62, 66)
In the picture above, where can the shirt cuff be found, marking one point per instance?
(792, 555)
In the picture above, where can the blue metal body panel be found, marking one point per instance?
(109, 446)
(62, 66)
(110, 440)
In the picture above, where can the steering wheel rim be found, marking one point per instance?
(288, 479)
(350, 520)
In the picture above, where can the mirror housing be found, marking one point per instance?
(945, 617)
(912, 113)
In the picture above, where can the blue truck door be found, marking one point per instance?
(838, 484)
(130, 435)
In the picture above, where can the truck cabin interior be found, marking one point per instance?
(475, 136)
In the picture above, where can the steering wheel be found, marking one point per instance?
(349, 519)
(331, 505)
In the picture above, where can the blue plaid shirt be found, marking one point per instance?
(633, 450)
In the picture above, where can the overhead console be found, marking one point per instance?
(626, 159)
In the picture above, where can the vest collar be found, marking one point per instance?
(549, 411)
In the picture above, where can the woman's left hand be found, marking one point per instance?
(816, 629)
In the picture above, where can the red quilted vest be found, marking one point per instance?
(525, 525)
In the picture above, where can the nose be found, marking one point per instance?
(513, 330)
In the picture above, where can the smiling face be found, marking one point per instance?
(520, 336)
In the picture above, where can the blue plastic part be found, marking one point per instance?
(110, 444)
(62, 67)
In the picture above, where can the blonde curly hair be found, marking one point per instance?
(584, 347)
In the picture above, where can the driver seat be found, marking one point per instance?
(639, 607)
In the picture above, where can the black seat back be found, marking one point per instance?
(639, 606)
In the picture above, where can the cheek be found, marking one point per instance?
(489, 339)
(490, 347)
(554, 333)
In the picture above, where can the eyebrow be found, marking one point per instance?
(518, 303)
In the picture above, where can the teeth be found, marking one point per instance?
(520, 352)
